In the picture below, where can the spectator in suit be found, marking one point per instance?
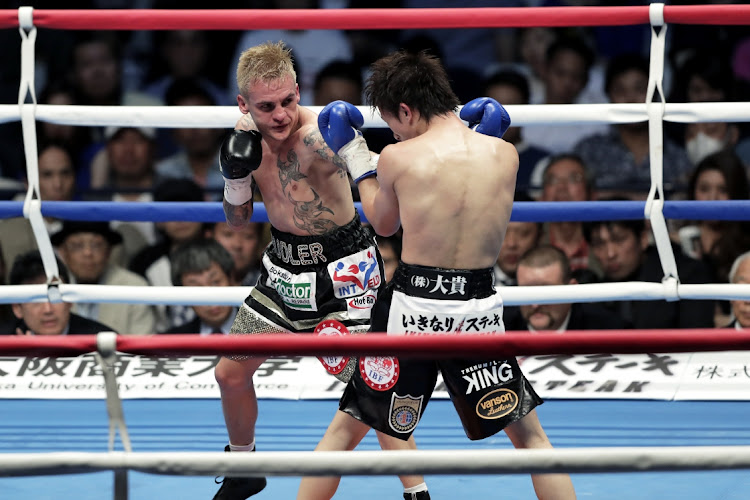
(623, 249)
(44, 318)
(204, 262)
(740, 273)
(546, 265)
(85, 248)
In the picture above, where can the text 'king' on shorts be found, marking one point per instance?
(390, 394)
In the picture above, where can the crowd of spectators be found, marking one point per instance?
(569, 162)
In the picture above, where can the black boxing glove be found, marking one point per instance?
(240, 155)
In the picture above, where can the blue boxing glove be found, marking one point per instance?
(486, 116)
(240, 155)
(339, 124)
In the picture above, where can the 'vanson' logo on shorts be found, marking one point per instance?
(497, 404)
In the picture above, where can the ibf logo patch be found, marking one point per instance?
(497, 404)
(379, 372)
(355, 274)
(333, 364)
(297, 291)
(360, 307)
(404, 412)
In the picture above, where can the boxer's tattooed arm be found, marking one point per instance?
(245, 123)
(307, 214)
(237, 216)
(315, 138)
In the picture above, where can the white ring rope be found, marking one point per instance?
(347, 463)
(523, 114)
(512, 296)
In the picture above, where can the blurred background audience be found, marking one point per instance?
(517, 66)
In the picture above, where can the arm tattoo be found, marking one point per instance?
(237, 215)
(246, 123)
(325, 152)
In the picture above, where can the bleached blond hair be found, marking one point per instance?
(265, 62)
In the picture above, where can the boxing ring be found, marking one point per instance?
(680, 449)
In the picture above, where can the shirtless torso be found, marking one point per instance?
(304, 186)
(452, 190)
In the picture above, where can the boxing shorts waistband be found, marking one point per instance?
(444, 284)
(316, 250)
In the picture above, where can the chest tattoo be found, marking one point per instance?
(308, 214)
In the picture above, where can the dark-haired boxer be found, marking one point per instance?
(451, 190)
(322, 265)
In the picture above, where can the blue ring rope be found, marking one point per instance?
(523, 211)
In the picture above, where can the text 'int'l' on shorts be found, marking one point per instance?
(308, 279)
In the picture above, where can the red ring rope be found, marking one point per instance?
(430, 346)
(352, 19)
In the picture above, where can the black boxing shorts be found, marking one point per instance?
(308, 279)
(390, 394)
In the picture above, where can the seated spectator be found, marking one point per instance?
(720, 176)
(128, 175)
(619, 159)
(44, 318)
(204, 262)
(154, 263)
(182, 54)
(390, 251)
(338, 80)
(546, 265)
(566, 178)
(245, 245)
(96, 76)
(74, 138)
(85, 248)
(740, 273)
(56, 183)
(704, 139)
(568, 64)
(623, 251)
(197, 157)
(520, 237)
(509, 88)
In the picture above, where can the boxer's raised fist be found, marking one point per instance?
(486, 116)
(339, 124)
(241, 154)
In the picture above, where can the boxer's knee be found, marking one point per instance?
(235, 375)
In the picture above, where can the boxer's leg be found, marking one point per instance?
(528, 433)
